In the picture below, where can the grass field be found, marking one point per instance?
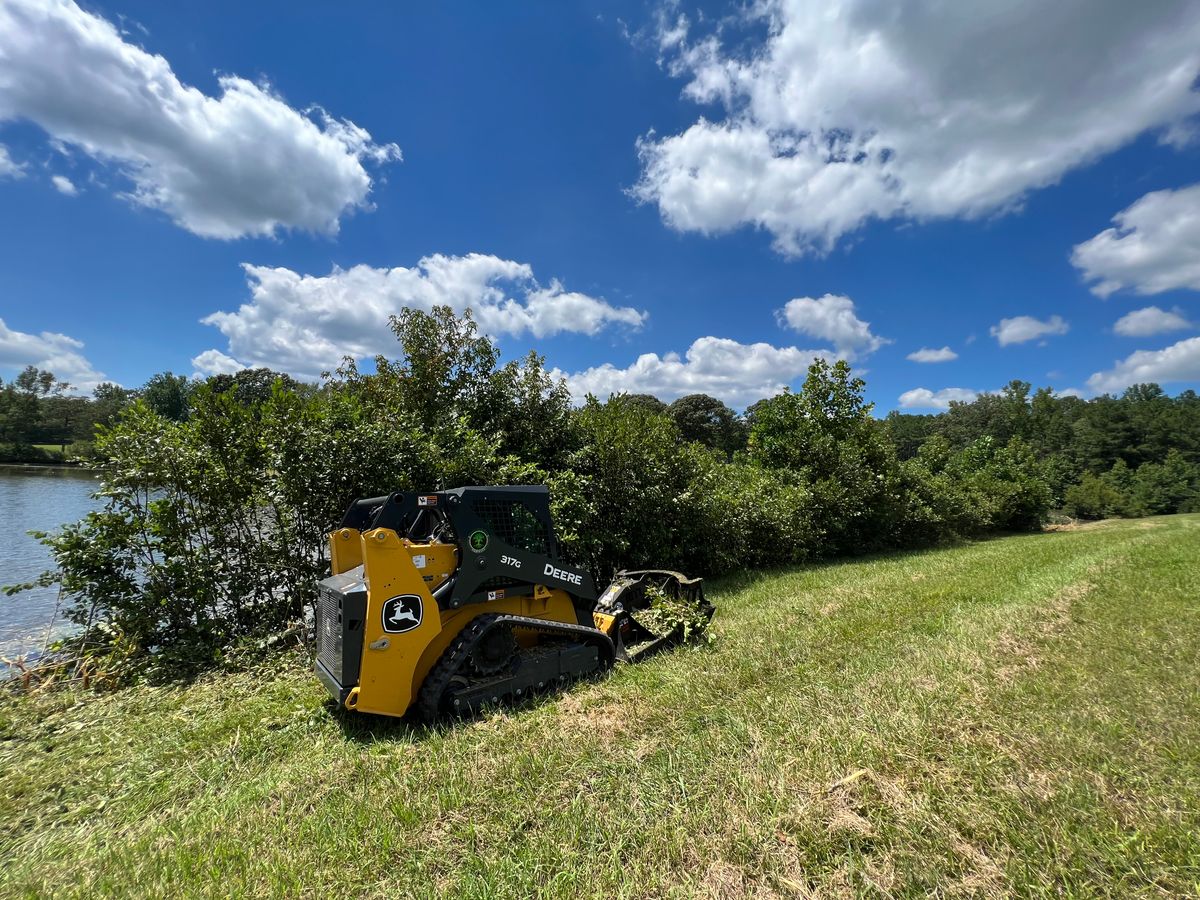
(1018, 716)
(72, 447)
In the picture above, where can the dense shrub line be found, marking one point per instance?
(212, 534)
(1151, 489)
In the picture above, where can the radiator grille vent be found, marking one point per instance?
(329, 630)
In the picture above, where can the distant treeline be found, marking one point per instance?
(43, 420)
(218, 494)
(1133, 455)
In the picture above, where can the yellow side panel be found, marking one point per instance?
(345, 550)
(437, 562)
(394, 665)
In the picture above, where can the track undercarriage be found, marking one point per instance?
(504, 659)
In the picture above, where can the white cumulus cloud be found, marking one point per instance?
(929, 355)
(845, 111)
(923, 398)
(64, 185)
(214, 362)
(241, 163)
(831, 318)
(1020, 329)
(1151, 320)
(57, 353)
(737, 373)
(1179, 362)
(8, 167)
(305, 324)
(1153, 247)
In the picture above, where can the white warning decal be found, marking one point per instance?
(419, 560)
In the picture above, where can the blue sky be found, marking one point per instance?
(610, 183)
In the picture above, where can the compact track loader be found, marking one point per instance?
(450, 601)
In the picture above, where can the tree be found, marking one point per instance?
(39, 382)
(909, 431)
(1151, 423)
(1094, 498)
(168, 395)
(108, 401)
(445, 369)
(448, 379)
(753, 410)
(252, 386)
(646, 401)
(530, 410)
(1008, 482)
(1051, 420)
(708, 421)
(1186, 426)
(34, 410)
(620, 504)
(826, 436)
(1166, 487)
(801, 431)
(63, 419)
(18, 416)
(1000, 416)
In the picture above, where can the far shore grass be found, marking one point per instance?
(1019, 716)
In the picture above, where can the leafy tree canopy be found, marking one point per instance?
(708, 421)
(168, 395)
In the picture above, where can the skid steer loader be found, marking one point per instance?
(446, 602)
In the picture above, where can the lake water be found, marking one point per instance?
(38, 499)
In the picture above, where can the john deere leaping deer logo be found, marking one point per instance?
(401, 614)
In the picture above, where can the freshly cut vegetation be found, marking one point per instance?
(664, 614)
(1019, 716)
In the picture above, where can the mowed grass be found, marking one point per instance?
(1017, 716)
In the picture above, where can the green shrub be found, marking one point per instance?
(1008, 484)
(825, 437)
(1094, 498)
(1166, 487)
(632, 474)
(744, 516)
(28, 453)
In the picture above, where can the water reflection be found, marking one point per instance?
(38, 498)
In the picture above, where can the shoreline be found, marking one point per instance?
(67, 466)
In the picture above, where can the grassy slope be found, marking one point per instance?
(1016, 716)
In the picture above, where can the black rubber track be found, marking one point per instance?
(433, 689)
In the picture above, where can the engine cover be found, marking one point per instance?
(341, 609)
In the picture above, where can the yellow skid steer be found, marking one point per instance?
(446, 602)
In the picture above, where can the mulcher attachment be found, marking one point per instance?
(653, 610)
